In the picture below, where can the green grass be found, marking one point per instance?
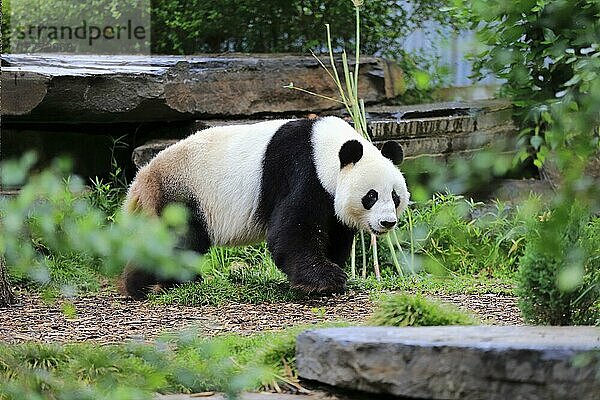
(239, 274)
(444, 250)
(70, 273)
(433, 284)
(452, 235)
(182, 363)
(221, 290)
(416, 310)
(216, 291)
(248, 275)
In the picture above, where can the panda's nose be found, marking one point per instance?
(387, 224)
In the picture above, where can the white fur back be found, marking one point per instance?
(224, 170)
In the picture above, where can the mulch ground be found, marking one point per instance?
(109, 318)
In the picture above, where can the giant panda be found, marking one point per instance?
(306, 186)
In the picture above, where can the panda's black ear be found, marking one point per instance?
(350, 153)
(393, 151)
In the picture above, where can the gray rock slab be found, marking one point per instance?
(98, 89)
(439, 119)
(478, 362)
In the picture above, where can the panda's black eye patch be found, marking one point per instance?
(395, 198)
(369, 199)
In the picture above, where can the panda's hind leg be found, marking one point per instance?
(147, 195)
(137, 282)
(196, 239)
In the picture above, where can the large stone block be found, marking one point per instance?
(96, 88)
(480, 362)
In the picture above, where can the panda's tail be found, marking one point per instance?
(145, 194)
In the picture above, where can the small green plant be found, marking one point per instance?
(108, 195)
(319, 311)
(416, 310)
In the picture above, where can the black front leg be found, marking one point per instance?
(340, 243)
(300, 248)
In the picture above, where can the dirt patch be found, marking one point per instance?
(108, 318)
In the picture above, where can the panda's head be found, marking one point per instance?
(371, 191)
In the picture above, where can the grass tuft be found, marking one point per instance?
(416, 310)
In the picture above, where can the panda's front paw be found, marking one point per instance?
(326, 278)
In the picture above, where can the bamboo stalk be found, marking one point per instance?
(375, 258)
(364, 255)
(393, 252)
(353, 259)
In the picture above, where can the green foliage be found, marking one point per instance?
(284, 26)
(19, 14)
(416, 310)
(559, 278)
(52, 212)
(548, 53)
(451, 235)
(587, 305)
(65, 273)
(182, 363)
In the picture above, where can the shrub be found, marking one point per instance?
(547, 52)
(559, 278)
(283, 26)
(274, 26)
(416, 310)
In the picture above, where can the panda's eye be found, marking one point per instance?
(369, 199)
(395, 198)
